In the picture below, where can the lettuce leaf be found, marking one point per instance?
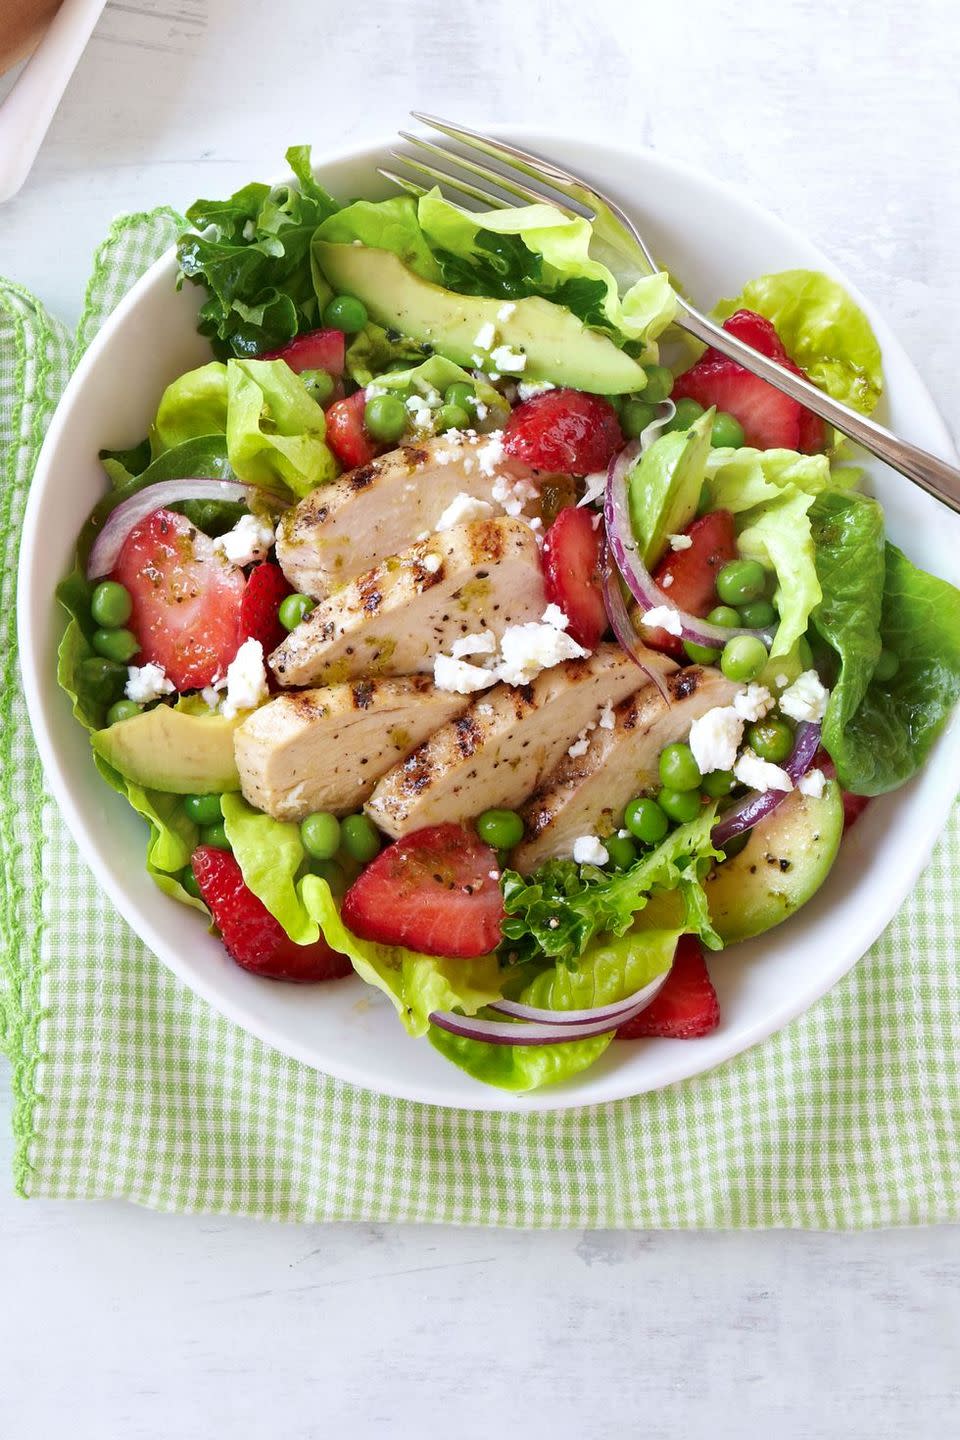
(275, 429)
(823, 330)
(436, 375)
(384, 225)
(664, 487)
(611, 969)
(253, 258)
(271, 858)
(194, 404)
(373, 350)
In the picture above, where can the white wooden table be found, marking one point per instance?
(115, 1322)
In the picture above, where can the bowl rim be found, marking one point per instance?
(617, 1085)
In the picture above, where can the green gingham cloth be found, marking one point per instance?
(127, 1085)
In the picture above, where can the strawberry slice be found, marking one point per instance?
(436, 891)
(252, 937)
(565, 431)
(346, 436)
(755, 330)
(571, 572)
(186, 599)
(689, 577)
(317, 350)
(266, 587)
(686, 1006)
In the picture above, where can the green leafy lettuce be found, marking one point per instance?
(878, 732)
(432, 377)
(193, 405)
(275, 429)
(824, 332)
(663, 488)
(374, 350)
(252, 255)
(384, 225)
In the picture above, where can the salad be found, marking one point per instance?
(457, 626)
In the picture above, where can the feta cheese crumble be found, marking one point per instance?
(812, 784)
(587, 850)
(432, 563)
(581, 745)
(512, 494)
(754, 703)
(528, 649)
(666, 582)
(760, 774)
(490, 453)
(147, 682)
(246, 680)
(680, 542)
(605, 719)
(595, 485)
(463, 508)
(528, 388)
(554, 616)
(459, 677)
(806, 699)
(506, 310)
(508, 360)
(250, 539)
(483, 643)
(715, 739)
(664, 617)
(485, 336)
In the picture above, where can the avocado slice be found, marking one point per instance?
(558, 346)
(663, 489)
(170, 750)
(785, 861)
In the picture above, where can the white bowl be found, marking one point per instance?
(715, 240)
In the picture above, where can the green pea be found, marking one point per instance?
(659, 383)
(320, 384)
(719, 783)
(758, 615)
(887, 666)
(701, 654)
(771, 739)
(741, 581)
(118, 645)
(743, 658)
(460, 393)
(726, 432)
(635, 417)
(500, 828)
(679, 805)
(621, 849)
(320, 834)
(725, 615)
(678, 769)
(103, 679)
(215, 835)
(122, 710)
(385, 417)
(189, 882)
(293, 609)
(359, 837)
(334, 874)
(644, 819)
(346, 313)
(110, 604)
(452, 417)
(203, 809)
(687, 412)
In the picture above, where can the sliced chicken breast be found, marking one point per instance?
(587, 795)
(396, 618)
(343, 529)
(503, 746)
(325, 749)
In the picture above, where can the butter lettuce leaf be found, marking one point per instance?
(275, 429)
(823, 330)
(194, 404)
(373, 350)
(385, 225)
(272, 860)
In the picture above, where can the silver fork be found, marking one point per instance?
(572, 195)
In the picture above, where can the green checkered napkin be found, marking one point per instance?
(126, 1084)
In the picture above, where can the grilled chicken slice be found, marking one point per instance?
(396, 618)
(343, 529)
(503, 746)
(587, 795)
(325, 749)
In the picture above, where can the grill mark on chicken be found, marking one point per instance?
(469, 735)
(685, 683)
(362, 694)
(360, 479)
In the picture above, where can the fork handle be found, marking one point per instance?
(930, 473)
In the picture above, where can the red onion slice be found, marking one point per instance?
(504, 1032)
(108, 544)
(615, 1012)
(620, 621)
(643, 587)
(759, 804)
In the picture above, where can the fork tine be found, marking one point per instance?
(409, 185)
(444, 178)
(483, 172)
(544, 172)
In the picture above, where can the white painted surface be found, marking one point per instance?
(839, 116)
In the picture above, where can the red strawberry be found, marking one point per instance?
(317, 350)
(186, 599)
(755, 330)
(565, 431)
(571, 569)
(689, 577)
(266, 587)
(252, 937)
(346, 436)
(686, 1006)
(436, 891)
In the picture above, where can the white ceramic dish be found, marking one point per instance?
(715, 239)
